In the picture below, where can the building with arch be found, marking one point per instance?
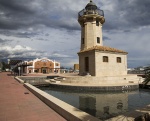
(43, 65)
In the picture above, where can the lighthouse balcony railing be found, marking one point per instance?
(86, 12)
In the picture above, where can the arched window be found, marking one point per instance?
(118, 59)
(105, 59)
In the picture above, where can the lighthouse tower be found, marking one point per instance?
(94, 58)
(91, 20)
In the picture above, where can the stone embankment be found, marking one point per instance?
(60, 107)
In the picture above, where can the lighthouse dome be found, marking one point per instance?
(91, 6)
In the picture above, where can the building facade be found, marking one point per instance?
(43, 65)
(94, 58)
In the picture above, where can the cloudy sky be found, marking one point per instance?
(32, 29)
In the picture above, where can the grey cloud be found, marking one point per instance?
(128, 15)
(16, 6)
(63, 14)
(137, 12)
(42, 39)
(5, 41)
(46, 34)
(14, 14)
(4, 54)
(105, 38)
(19, 33)
(26, 34)
(21, 52)
(26, 13)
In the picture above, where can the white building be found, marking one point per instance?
(43, 65)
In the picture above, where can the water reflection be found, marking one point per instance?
(102, 105)
(88, 104)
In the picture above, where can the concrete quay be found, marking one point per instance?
(72, 81)
(18, 104)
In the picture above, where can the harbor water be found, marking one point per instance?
(103, 105)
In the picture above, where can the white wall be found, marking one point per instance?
(110, 68)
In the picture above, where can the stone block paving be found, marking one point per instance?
(19, 104)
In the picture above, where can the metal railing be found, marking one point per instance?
(136, 72)
(86, 12)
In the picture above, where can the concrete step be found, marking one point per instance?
(54, 81)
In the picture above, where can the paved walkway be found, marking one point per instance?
(19, 104)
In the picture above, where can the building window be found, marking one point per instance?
(118, 59)
(105, 58)
(98, 40)
(97, 23)
(82, 40)
(50, 64)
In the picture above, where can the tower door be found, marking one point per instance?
(87, 64)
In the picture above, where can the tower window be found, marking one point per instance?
(82, 40)
(98, 40)
(105, 58)
(118, 59)
(97, 23)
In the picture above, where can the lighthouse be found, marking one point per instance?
(91, 20)
(94, 58)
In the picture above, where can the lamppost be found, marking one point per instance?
(19, 68)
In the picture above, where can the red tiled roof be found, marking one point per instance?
(104, 48)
